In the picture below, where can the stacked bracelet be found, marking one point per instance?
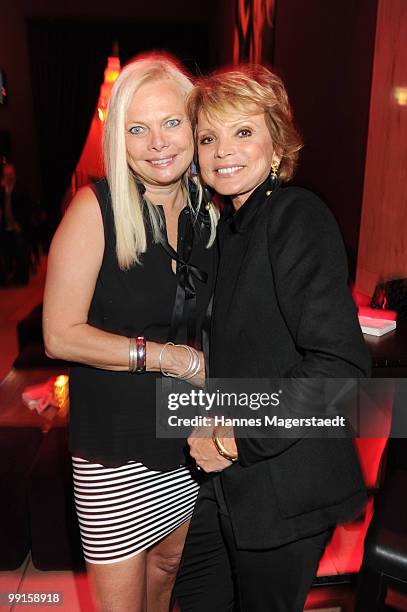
(222, 450)
(137, 355)
(193, 365)
(141, 354)
(160, 358)
(132, 355)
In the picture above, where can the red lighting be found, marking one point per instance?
(253, 17)
(111, 73)
(90, 165)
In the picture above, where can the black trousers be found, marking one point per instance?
(215, 576)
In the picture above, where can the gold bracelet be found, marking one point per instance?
(223, 452)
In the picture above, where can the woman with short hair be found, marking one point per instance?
(281, 310)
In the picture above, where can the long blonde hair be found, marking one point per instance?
(127, 204)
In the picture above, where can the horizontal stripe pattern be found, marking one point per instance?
(125, 510)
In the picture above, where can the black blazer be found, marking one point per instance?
(282, 308)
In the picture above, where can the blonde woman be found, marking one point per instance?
(281, 309)
(130, 275)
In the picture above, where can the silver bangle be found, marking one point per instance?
(160, 358)
(192, 362)
(132, 355)
(193, 365)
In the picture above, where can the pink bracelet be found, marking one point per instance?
(141, 354)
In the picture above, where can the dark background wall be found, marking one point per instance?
(324, 53)
(18, 116)
(210, 24)
(323, 50)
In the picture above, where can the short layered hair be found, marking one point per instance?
(250, 89)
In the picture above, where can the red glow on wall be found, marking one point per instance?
(252, 18)
(90, 165)
(111, 73)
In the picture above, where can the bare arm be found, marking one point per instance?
(74, 262)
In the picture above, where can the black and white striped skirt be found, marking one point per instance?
(125, 510)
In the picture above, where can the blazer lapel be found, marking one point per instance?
(235, 235)
(232, 257)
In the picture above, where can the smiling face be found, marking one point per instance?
(159, 138)
(235, 152)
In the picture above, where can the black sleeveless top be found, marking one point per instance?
(112, 414)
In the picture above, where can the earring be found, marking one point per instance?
(273, 177)
(207, 196)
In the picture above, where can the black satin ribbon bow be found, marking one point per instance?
(185, 298)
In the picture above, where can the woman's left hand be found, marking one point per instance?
(203, 449)
(175, 360)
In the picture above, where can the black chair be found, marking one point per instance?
(55, 538)
(18, 448)
(385, 558)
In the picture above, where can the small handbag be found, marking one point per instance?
(391, 295)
